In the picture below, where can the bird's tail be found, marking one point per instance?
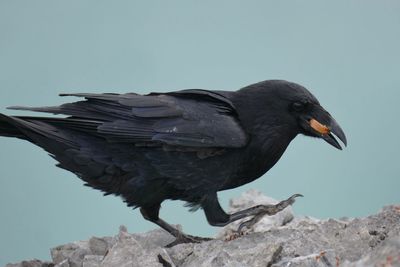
(10, 127)
(38, 130)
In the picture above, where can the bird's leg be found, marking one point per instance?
(217, 217)
(151, 214)
(263, 210)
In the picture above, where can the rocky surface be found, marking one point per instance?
(276, 241)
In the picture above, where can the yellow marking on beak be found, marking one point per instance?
(319, 127)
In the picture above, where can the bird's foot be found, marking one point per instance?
(267, 210)
(181, 239)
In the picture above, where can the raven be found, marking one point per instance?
(185, 145)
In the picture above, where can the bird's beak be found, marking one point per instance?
(326, 132)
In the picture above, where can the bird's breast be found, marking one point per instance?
(257, 158)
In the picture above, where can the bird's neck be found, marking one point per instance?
(258, 157)
(264, 151)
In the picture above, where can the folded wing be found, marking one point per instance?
(190, 118)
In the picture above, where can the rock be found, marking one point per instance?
(70, 255)
(92, 260)
(276, 241)
(154, 238)
(100, 246)
(235, 253)
(386, 255)
(64, 263)
(32, 263)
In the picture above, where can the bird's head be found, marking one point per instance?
(314, 120)
(298, 108)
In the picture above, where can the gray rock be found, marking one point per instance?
(155, 238)
(100, 246)
(386, 255)
(132, 252)
(92, 260)
(277, 241)
(31, 263)
(234, 253)
(64, 263)
(70, 255)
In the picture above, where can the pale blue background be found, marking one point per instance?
(345, 52)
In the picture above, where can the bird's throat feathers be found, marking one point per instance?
(264, 150)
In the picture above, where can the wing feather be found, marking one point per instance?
(193, 118)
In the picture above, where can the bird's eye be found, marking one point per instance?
(297, 106)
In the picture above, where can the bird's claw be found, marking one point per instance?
(182, 239)
(284, 203)
(291, 199)
(247, 224)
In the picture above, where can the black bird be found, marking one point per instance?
(185, 145)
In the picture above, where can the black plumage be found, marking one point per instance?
(185, 145)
